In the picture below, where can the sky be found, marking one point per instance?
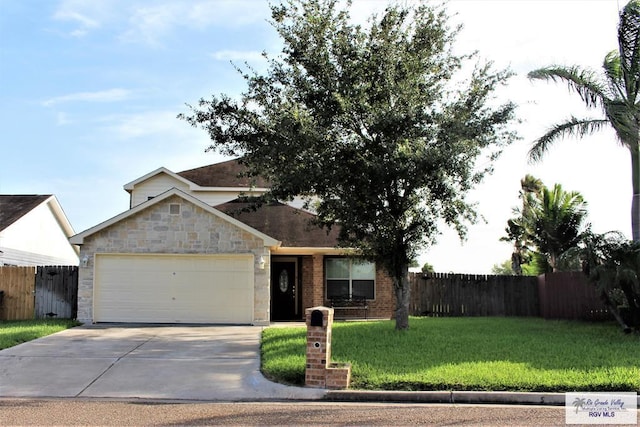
(90, 91)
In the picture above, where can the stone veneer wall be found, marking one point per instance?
(193, 231)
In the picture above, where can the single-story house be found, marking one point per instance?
(34, 230)
(186, 252)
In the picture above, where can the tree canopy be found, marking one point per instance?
(376, 125)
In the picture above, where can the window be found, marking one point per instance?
(350, 276)
(174, 209)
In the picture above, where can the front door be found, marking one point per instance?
(283, 290)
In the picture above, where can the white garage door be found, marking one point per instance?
(159, 288)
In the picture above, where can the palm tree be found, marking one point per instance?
(549, 223)
(515, 229)
(615, 93)
(530, 184)
(554, 222)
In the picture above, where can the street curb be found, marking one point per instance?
(468, 397)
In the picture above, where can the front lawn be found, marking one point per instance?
(14, 332)
(472, 353)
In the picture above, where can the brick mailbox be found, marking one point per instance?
(320, 372)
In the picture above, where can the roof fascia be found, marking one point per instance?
(192, 186)
(290, 250)
(231, 189)
(61, 218)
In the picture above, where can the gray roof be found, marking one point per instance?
(14, 207)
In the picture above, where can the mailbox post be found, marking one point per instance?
(320, 372)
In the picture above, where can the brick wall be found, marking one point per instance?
(313, 288)
(319, 371)
(307, 281)
(385, 303)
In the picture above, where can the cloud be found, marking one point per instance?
(162, 125)
(146, 140)
(143, 124)
(111, 95)
(84, 15)
(148, 24)
(151, 24)
(237, 55)
(62, 119)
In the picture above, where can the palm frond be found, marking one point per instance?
(615, 76)
(572, 127)
(582, 81)
(629, 46)
(623, 120)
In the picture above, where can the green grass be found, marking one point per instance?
(14, 332)
(513, 354)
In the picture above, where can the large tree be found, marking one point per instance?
(372, 123)
(615, 93)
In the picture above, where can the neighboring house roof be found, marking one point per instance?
(291, 226)
(78, 239)
(224, 174)
(14, 207)
(34, 230)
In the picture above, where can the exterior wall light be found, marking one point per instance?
(85, 261)
(261, 262)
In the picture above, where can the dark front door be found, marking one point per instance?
(283, 290)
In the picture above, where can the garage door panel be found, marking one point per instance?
(173, 288)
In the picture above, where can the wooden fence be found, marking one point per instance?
(38, 292)
(18, 287)
(439, 294)
(56, 292)
(551, 296)
(569, 296)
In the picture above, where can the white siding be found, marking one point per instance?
(162, 182)
(215, 198)
(36, 239)
(158, 184)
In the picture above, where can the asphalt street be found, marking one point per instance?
(73, 412)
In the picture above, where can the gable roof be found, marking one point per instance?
(14, 207)
(291, 226)
(218, 175)
(223, 174)
(129, 186)
(78, 239)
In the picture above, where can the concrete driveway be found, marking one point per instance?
(211, 363)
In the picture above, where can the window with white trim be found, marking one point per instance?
(350, 277)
